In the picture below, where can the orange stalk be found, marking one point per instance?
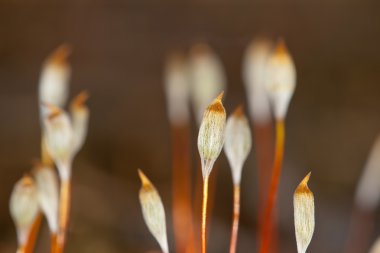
(21, 249)
(236, 216)
(264, 140)
(64, 210)
(182, 212)
(272, 195)
(29, 247)
(53, 243)
(264, 153)
(198, 201)
(204, 214)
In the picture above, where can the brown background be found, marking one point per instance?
(119, 50)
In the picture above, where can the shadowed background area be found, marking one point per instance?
(119, 50)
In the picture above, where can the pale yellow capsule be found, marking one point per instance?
(80, 115)
(207, 78)
(47, 188)
(177, 89)
(304, 219)
(24, 207)
(254, 74)
(55, 77)
(367, 195)
(211, 134)
(238, 142)
(153, 211)
(59, 139)
(280, 80)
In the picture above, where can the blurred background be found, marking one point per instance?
(119, 51)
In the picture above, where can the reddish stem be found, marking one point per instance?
(272, 196)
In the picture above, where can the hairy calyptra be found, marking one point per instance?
(153, 211)
(304, 218)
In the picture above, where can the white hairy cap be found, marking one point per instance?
(55, 77)
(368, 190)
(153, 211)
(207, 78)
(177, 91)
(280, 80)
(211, 134)
(24, 207)
(47, 185)
(238, 143)
(304, 218)
(254, 73)
(59, 139)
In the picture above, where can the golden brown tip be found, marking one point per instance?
(220, 96)
(175, 57)
(36, 164)
(239, 111)
(302, 187)
(200, 49)
(217, 105)
(60, 54)
(281, 48)
(27, 180)
(306, 179)
(80, 99)
(144, 180)
(54, 111)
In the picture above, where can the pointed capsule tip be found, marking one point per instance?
(303, 185)
(306, 178)
(217, 105)
(60, 54)
(220, 96)
(281, 48)
(144, 180)
(200, 49)
(27, 180)
(80, 99)
(239, 111)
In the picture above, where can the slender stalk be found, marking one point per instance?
(272, 195)
(264, 142)
(29, 247)
(198, 202)
(53, 243)
(236, 216)
(264, 152)
(21, 249)
(204, 214)
(182, 213)
(64, 210)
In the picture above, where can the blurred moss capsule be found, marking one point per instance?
(254, 71)
(24, 207)
(367, 196)
(47, 188)
(153, 211)
(211, 134)
(177, 88)
(280, 80)
(207, 77)
(304, 220)
(55, 76)
(59, 139)
(238, 142)
(376, 246)
(80, 116)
